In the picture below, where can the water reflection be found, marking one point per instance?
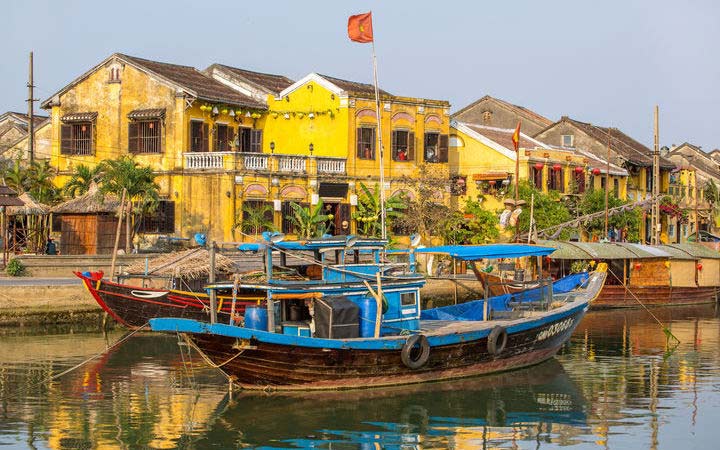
(617, 384)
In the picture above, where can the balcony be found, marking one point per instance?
(331, 166)
(263, 162)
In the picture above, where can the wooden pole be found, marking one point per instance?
(517, 193)
(211, 280)
(697, 221)
(31, 120)
(234, 299)
(655, 236)
(121, 214)
(607, 185)
(4, 235)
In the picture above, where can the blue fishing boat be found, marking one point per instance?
(369, 329)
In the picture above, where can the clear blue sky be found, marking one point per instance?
(604, 62)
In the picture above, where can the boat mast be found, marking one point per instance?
(607, 183)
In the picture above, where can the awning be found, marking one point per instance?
(603, 250)
(147, 114)
(491, 251)
(691, 251)
(80, 117)
(333, 190)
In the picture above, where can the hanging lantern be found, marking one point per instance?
(539, 166)
(578, 169)
(596, 171)
(699, 266)
(667, 264)
(557, 167)
(638, 266)
(492, 182)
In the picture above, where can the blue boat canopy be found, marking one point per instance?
(490, 251)
(335, 242)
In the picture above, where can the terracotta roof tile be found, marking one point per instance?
(205, 87)
(271, 82)
(503, 136)
(353, 86)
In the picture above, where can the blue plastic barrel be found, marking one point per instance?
(368, 316)
(256, 318)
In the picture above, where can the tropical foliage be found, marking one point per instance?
(255, 218)
(369, 211)
(79, 183)
(309, 222)
(548, 209)
(474, 226)
(36, 179)
(629, 221)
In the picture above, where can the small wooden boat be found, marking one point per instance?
(353, 345)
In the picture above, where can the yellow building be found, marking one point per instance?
(226, 137)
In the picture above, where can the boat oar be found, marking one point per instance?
(665, 329)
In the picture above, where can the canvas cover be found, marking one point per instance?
(336, 318)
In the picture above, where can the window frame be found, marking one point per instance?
(71, 144)
(439, 148)
(139, 142)
(198, 143)
(572, 140)
(363, 144)
(556, 180)
(408, 145)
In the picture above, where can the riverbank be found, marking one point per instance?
(26, 301)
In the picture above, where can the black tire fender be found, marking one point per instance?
(497, 340)
(413, 357)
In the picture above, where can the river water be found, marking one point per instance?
(617, 384)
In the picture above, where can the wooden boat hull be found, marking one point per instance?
(134, 306)
(616, 296)
(256, 364)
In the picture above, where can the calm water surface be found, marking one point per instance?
(615, 385)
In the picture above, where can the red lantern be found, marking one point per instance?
(539, 166)
(492, 182)
(699, 266)
(578, 169)
(596, 171)
(638, 266)
(557, 167)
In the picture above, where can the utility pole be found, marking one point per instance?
(607, 185)
(31, 120)
(655, 221)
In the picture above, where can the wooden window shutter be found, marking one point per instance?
(133, 137)
(216, 139)
(231, 139)
(443, 148)
(93, 138)
(256, 145)
(204, 138)
(411, 146)
(358, 142)
(66, 147)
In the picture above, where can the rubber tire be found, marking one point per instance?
(497, 340)
(409, 346)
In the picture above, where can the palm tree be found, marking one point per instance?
(309, 221)
(15, 177)
(253, 218)
(40, 182)
(80, 181)
(369, 210)
(125, 174)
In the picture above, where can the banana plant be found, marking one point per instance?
(309, 221)
(368, 210)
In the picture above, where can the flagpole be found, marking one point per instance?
(381, 153)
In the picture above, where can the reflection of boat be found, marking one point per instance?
(403, 345)
(543, 394)
(675, 274)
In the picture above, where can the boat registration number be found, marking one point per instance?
(555, 328)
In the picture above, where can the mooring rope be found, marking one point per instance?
(205, 357)
(666, 330)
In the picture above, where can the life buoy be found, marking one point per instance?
(497, 339)
(415, 351)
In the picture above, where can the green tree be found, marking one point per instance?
(40, 182)
(124, 173)
(594, 201)
(254, 218)
(15, 177)
(79, 183)
(369, 211)
(473, 226)
(548, 209)
(309, 221)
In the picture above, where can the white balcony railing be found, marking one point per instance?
(255, 161)
(292, 164)
(204, 160)
(331, 165)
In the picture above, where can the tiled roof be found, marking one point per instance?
(353, 86)
(271, 82)
(694, 156)
(504, 136)
(620, 143)
(520, 110)
(142, 114)
(205, 87)
(23, 117)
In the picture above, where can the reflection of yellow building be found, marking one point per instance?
(227, 137)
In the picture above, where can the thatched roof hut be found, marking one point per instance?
(8, 197)
(193, 263)
(92, 202)
(30, 207)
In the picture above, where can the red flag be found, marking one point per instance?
(516, 138)
(360, 28)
